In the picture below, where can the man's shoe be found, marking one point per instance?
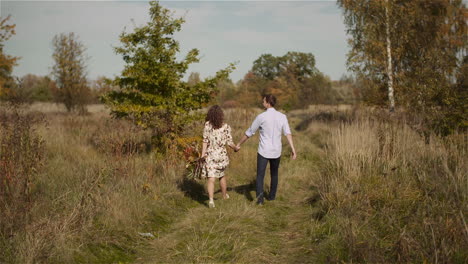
(211, 204)
(259, 202)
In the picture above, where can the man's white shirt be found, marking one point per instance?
(271, 124)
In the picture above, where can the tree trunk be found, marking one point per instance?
(391, 97)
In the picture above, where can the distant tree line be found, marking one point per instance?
(407, 55)
(293, 78)
(67, 83)
(34, 88)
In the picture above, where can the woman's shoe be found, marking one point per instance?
(226, 197)
(211, 204)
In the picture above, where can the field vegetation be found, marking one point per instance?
(365, 188)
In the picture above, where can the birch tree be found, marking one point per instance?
(408, 53)
(391, 97)
(370, 29)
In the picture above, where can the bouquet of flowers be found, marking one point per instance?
(196, 165)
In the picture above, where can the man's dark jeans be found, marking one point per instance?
(261, 167)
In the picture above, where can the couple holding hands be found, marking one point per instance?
(217, 134)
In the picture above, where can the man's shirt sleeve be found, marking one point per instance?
(286, 129)
(254, 127)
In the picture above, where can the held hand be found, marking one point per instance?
(236, 148)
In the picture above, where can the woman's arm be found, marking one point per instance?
(205, 145)
(229, 140)
(234, 147)
(205, 139)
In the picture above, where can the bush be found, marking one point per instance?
(120, 138)
(21, 156)
(230, 104)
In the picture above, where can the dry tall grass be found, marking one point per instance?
(99, 186)
(392, 198)
(363, 191)
(21, 156)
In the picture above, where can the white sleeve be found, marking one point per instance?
(286, 129)
(254, 127)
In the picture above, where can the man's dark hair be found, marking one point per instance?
(271, 99)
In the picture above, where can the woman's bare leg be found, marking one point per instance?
(210, 187)
(223, 185)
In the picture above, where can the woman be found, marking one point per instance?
(216, 135)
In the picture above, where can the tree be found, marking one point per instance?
(193, 79)
(297, 65)
(99, 87)
(293, 78)
(406, 47)
(31, 88)
(69, 72)
(7, 62)
(266, 66)
(391, 97)
(371, 34)
(152, 93)
(301, 65)
(102, 85)
(250, 90)
(317, 90)
(227, 91)
(348, 90)
(455, 114)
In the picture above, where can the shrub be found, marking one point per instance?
(21, 156)
(120, 138)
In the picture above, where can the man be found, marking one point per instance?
(271, 124)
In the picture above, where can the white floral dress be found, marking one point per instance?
(217, 159)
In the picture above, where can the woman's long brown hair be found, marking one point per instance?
(215, 116)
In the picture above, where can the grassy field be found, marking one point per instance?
(364, 189)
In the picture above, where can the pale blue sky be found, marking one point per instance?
(223, 31)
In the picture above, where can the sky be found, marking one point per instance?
(223, 31)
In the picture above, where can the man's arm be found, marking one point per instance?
(291, 143)
(250, 132)
(287, 133)
(243, 139)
